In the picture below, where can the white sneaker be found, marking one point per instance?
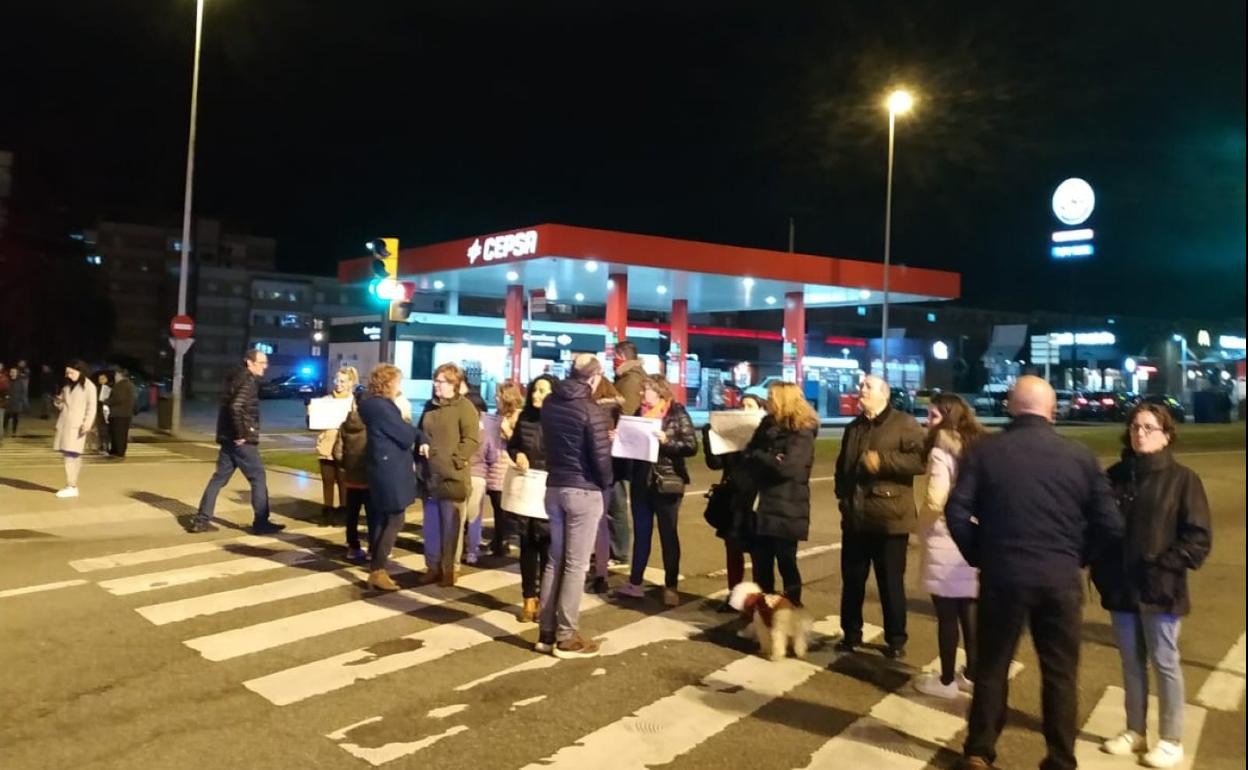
(543, 648)
(1124, 743)
(1164, 754)
(930, 684)
(748, 632)
(68, 492)
(964, 684)
(630, 591)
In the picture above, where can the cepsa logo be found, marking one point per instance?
(520, 244)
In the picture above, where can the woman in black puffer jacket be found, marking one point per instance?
(528, 450)
(731, 522)
(1143, 579)
(779, 459)
(657, 489)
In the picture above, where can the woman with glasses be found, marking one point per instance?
(452, 431)
(1143, 579)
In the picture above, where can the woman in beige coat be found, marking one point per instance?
(332, 475)
(78, 402)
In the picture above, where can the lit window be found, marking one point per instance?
(862, 310)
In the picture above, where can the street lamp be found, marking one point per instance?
(1182, 341)
(182, 345)
(899, 102)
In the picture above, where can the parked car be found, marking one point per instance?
(1065, 400)
(991, 403)
(1170, 402)
(759, 389)
(1105, 405)
(902, 401)
(298, 385)
(921, 400)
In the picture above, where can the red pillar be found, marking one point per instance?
(513, 330)
(617, 312)
(794, 336)
(680, 346)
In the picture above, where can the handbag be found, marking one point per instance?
(718, 505)
(665, 485)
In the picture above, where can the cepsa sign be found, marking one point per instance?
(496, 247)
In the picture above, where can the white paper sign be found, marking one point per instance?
(635, 439)
(328, 413)
(732, 431)
(524, 493)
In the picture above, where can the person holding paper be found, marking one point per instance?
(332, 476)
(658, 489)
(611, 402)
(778, 459)
(730, 520)
(452, 426)
(528, 449)
(508, 400)
(630, 376)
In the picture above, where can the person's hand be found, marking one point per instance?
(240, 441)
(611, 434)
(424, 451)
(661, 436)
(522, 462)
(871, 461)
(780, 457)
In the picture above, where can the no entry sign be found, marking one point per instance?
(182, 327)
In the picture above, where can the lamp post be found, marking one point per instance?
(899, 102)
(181, 346)
(1182, 341)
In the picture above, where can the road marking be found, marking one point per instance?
(274, 633)
(1224, 689)
(1109, 718)
(152, 581)
(670, 727)
(264, 593)
(322, 676)
(392, 751)
(903, 730)
(802, 554)
(149, 555)
(40, 588)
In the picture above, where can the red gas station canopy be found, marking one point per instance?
(569, 261)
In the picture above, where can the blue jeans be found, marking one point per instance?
(1144, 636)
(574, 515)
(443, 530)
(647, 506)
(246, 458)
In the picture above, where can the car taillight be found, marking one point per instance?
(1107, 401)
(1081, 401)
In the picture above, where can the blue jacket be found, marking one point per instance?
(391, 473)
(574, 430)
(1041, 507)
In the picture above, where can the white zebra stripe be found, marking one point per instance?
(1224, 689)
(152, 581)
(1109, 718)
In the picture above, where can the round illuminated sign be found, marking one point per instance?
(1073, 201)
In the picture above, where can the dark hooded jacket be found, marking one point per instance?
(1168, 532)
(575, 433)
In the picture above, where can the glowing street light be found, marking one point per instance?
(899, 102)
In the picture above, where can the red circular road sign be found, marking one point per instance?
(182, 327)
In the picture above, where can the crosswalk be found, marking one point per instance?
(291, 626)
(28, 453)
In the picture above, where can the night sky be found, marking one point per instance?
(324, 123)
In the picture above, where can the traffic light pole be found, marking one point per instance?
(179, 350)
(383, 349)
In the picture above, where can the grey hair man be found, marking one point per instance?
(578, 467)
(1030, 508)
(881, 453)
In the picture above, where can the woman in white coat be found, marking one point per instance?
(952, 583)
(78, 402)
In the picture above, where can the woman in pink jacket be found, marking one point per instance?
(953, 584)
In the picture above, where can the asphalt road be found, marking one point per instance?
(131, 644)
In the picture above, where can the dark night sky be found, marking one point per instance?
(323, 123)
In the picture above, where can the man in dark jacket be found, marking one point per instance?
(1029, 509)
(630, 378)
(881, 453)
(120, 403)
(578, 466)
(238, 433)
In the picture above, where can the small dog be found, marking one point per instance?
(777, 622)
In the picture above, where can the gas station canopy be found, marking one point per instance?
(574, 265)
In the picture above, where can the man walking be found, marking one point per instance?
(578, 457)
(1029, 509)
(630, 376)
(120, 403)
(238, 433)
(881, 453)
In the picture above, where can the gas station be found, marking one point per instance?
(576, 267)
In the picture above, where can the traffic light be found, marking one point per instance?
(401, 303)
(385, 265)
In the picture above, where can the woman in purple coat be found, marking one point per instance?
(952, 583)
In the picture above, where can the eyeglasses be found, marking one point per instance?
(441, 382)
(1147, 430)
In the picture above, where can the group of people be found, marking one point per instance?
(1006, 526)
